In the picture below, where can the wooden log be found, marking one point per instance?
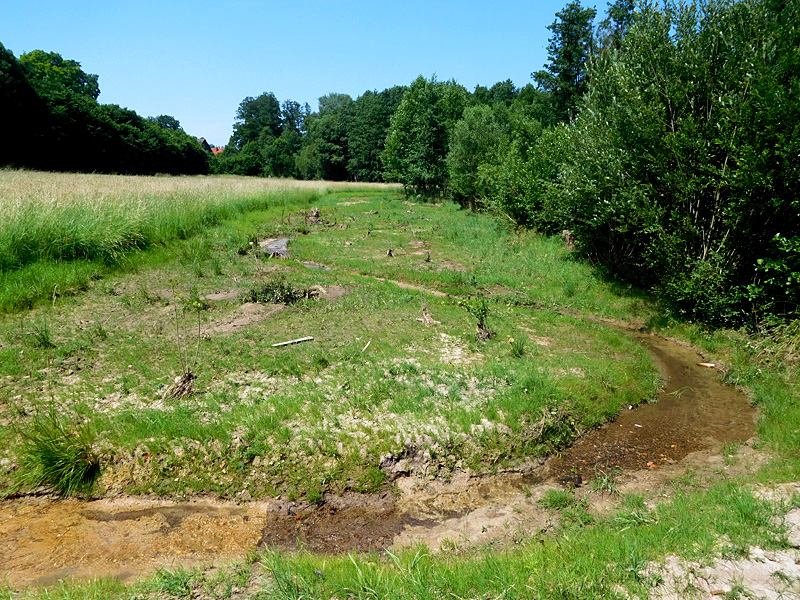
(297, 341)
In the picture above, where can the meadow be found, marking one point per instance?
(440, 337)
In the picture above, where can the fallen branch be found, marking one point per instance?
(297, 341)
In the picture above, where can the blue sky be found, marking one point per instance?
(197, 60)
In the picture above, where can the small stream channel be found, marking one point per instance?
(44, 540)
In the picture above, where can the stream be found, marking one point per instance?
(46, 539)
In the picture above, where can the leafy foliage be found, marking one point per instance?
(52, 75)
(678, 173)
(568, 52)
(278, 291)
(476, 139)
(419, 136)
(57, 124)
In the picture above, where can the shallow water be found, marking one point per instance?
(44, 540)
(694, 411)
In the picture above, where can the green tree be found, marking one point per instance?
(614, 27)
(280, 156)
(681, 170)
(325, 152)
(167, 122)
(476, 139)
(254, 117)
(368, 126)
(501, 92)
(569, 48)
(23, 114)
(418, 138)
(53, 75)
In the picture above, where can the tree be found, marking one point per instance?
(255, 116)
(613, 28)
(23, 113)
(293, 115)
(501, 92)
(564, 76)
(167, 122)
(369, 124)
(418, 138)
(280, 155)
(681, 171)
(325, 153)
(476, 140)
(52, 75)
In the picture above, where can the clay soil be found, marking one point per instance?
(46, 539)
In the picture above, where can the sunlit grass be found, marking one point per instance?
(50, 219)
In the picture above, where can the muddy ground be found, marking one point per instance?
(46, 539)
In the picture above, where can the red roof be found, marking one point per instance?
(216, 150)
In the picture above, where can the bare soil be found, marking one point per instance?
(45, 539)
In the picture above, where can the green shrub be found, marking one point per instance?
(278, 291)
(58, 456)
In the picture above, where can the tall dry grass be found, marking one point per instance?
(62, 217)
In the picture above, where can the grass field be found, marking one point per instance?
(318, 417)
(141, 280)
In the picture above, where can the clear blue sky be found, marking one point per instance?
(198, 59)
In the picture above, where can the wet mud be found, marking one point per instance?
(694, 411)
(350, 523)
(45, 540)
(275, 247)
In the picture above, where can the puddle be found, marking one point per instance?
(273, 246)
(313, 265)
(44, 540)
(279, 247)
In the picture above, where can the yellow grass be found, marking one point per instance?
(25, 187)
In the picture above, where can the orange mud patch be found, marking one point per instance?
(44, 540)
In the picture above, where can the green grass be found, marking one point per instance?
(62, 231)
(317, 417)
(374, 380)
(58, 455)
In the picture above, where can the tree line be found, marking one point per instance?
(53, 121)
(665, 137)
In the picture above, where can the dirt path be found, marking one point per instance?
(45, 539)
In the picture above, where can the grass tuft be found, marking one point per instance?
(278, 291)
(58, 456)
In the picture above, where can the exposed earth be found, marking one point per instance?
(644, 448)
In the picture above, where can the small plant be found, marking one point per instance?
(605, 479)
(175, 582)
(577, 514)
(278, 291)
(40, 335)
(99, 331)
(557, 499)
(479, 309)
(183, 385)
(58, 456)
(286, 584)
(634, 565)
(518, 345)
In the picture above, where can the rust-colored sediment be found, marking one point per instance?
(44, 540)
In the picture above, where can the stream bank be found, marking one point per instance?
(694, 417)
